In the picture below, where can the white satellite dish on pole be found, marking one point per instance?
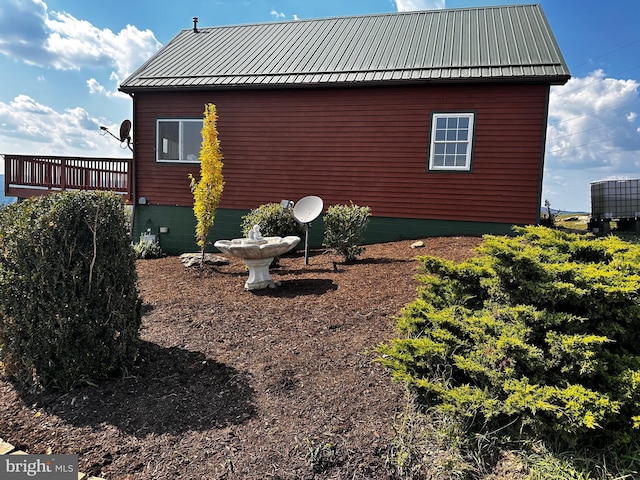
(306, 211)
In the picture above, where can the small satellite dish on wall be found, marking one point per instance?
(125, 133)
(306, 211)
(125, 129)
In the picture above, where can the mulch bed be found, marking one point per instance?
(274, 383)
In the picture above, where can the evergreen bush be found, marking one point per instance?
(344, 230)
(540, 331)
(274, 221)
(69, 304)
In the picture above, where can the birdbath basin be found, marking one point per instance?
(257, 252)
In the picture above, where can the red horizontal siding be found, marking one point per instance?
(366, 145)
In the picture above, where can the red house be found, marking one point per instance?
(436, 120)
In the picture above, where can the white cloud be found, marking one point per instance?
(593, 135)
(29, 127)
(411, 5)
(23, 32)
(96, 88)
(277, 15)
(592, 122)
(76, 43)
(49, 39)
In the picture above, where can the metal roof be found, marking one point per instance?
(471, 44)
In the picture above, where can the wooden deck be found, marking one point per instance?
(30, 175)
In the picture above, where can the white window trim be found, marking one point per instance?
(181, 122)
(462, 168)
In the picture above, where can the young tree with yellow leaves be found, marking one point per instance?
(208, 190)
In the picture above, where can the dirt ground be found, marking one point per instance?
(231, 384)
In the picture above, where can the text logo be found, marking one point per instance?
(46, 467)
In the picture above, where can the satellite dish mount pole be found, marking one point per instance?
(306, 243)
(306, 211)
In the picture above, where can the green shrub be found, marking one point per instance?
(146, 248)
(69, 305)
(344, 230)
(540, 331)
(274, 221)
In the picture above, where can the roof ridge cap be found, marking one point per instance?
(365, 15)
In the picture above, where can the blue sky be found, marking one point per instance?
(62, 61)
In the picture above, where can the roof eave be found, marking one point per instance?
(551, 80)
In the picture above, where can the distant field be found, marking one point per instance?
(573, 221)
(578, 223)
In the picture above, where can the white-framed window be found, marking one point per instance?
(178, 140)
(451, 141)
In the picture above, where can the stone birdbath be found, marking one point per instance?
(257, 252)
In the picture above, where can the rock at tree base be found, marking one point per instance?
(191, 259)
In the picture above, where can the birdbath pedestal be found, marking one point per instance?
(259, 276)
(257, 252)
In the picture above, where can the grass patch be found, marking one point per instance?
(432, 445)
(572, 221)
